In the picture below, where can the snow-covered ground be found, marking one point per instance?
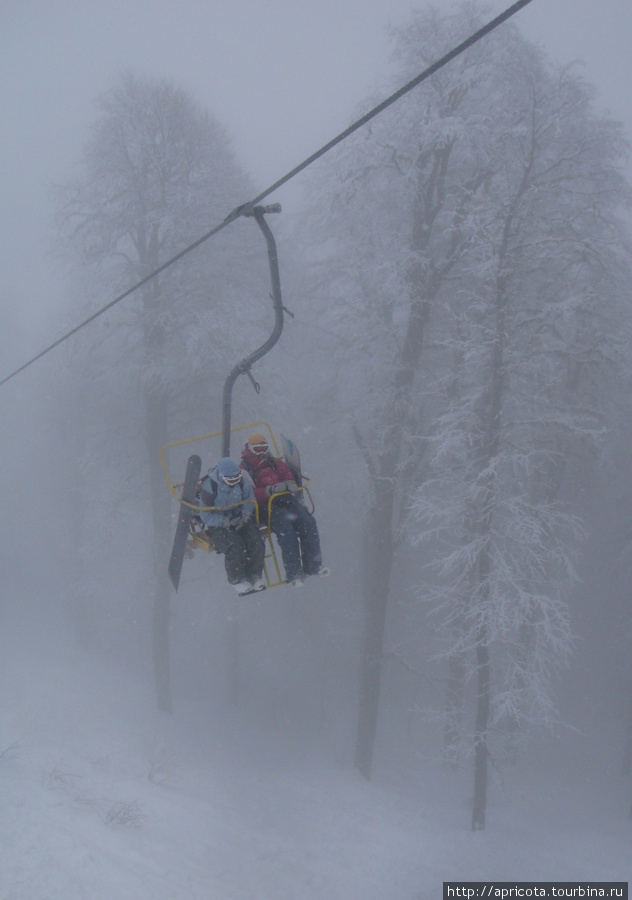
(103, 797)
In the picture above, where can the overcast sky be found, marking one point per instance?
(284, 76)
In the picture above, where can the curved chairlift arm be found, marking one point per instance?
(243, 367)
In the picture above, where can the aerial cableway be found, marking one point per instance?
(248, 208)
(190, 534)
(186, 492)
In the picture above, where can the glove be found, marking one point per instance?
(226, 522)
(291, 486)
(238, 522)
(276, 488)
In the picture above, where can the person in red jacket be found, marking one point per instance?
(295, 528)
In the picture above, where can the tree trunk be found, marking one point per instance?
(491, 414)
(454, 707)
(379, 546)
(490, 419)
(626, 762)
(480, 735)
(424, 283)
(234, 658)
(155, 432)
(378, 562)
(161, 614)
(160, 647)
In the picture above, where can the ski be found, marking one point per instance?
(189, 490)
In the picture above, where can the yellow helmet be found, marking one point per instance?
(258, 444)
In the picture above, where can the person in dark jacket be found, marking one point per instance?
(233, 527)
(294, 526)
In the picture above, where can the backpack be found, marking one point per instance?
(204, 497)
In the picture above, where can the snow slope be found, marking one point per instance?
(102, 797)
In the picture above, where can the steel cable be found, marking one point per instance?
(247, 207)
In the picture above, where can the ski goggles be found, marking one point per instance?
(231, 480)
(259, 449)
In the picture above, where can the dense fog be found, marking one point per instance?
(454, 701)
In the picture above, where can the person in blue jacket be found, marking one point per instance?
(232, 525)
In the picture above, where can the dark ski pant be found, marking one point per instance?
(243, 551)
(297, 534)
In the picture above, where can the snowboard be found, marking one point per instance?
(191, 478)
(292, 458)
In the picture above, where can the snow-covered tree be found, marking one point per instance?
(157, 172)
(480, 272)
(535, 337)
(400, 201)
